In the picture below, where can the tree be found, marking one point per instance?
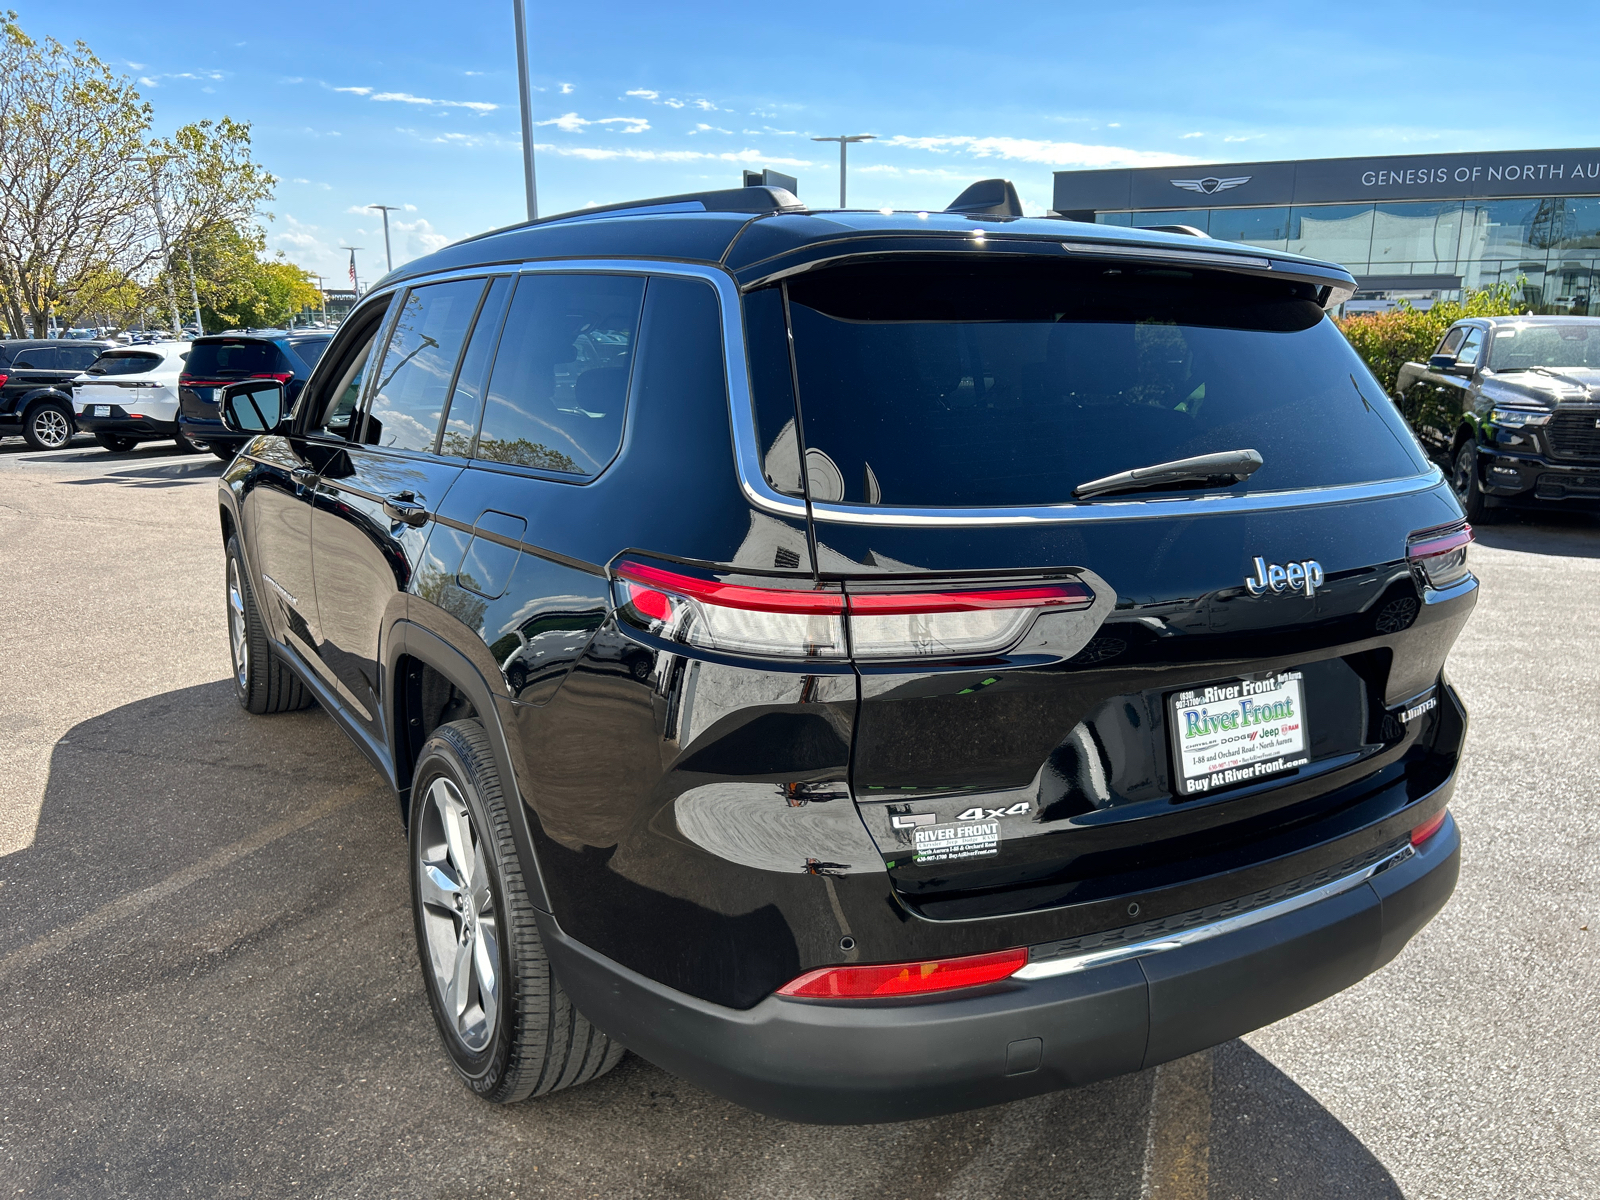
(237, 289)
(79, 169)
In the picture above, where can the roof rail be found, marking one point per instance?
(754, 200)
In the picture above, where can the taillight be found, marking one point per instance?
(790, 623)
(1427, 829)
(1440, 554)
(954, 622)
(812, 622)
(280, 376)
(905, 979)
(3, 378)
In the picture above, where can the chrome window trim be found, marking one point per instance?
(1073, 963)
(758, 492)
(1201, 257)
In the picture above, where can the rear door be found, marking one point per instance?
(1068, 700)
(375, 500)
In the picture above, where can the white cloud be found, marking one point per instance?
(420, 237)
(146, 81)
(630, 124)
(408, 98)
(472, 72)
(1055, 154)
(644, 94)
(136, 66)
(1192, 135)
(1248, 137)
(409, 207)
(706, 106)
(566, 89)
(599, 154)
(355, 91)
(567, 122)
(293, 79)
(1114, 125)
(702, 127)
(673, 103)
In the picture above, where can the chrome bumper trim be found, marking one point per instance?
(1200, 933)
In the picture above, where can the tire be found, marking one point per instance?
(1464, 482)
(516, 1034)
(116, 443)
(225, 453)
(185, 446)
(48, 426)
(261, 683)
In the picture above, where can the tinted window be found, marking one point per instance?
(420, 363)
(233, 359)
(310, 350)
(465, 400)
(1468, 354)
(560, 378)
(1452, 340)
(930, 384)
(76, 358)
(38, 358)
(122, 363)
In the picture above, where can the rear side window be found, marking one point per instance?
(309, 350)
(116, 363)
(38, 358)
(420, 363)
(76, 358)
(937, 384)
(560, 379)
(234, 359)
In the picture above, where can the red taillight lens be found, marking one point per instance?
(954, 622)
(1427, 829)
(280, 376)
(810, 622)
(905, 979)
(739, 619)
(3, 378)
(1441, 554)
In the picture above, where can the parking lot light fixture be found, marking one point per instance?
(844, 142)
(388, 256)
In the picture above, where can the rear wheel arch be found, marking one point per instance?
(431, 683)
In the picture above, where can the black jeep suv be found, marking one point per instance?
(220, 359)
(1511, 405)
(870, 664)
(36, 377)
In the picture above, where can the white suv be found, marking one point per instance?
(131, 396)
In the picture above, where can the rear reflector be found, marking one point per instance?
(3, 378)
(811, 622)
(905, 979)
(1441, 554)
(1427, 829)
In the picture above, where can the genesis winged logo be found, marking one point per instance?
(1210, 185)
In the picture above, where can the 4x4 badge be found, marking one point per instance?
(1305, 576)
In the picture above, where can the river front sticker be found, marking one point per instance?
(1230, 733)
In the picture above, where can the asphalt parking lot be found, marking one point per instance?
(211, 986)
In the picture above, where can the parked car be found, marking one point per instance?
(1044, 696)
(1511, 405)
(220, 359)
(36, 377)
(131, 396)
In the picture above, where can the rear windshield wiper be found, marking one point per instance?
(1222, 469)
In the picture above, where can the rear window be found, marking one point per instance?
(116, 362)
(219, 360)
(934, 384)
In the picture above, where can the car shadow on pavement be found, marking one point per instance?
(176, 474)
(1565, 534)
(212, 986)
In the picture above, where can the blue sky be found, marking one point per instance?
(415, 104)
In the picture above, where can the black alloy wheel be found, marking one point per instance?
(185, 446)
(507, 1025)
(48, 426)
(117, 443)
(1464, 482)
(261, 683)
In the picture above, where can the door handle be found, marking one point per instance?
(304, 476)
(405, 508)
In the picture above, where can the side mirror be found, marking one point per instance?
(1441, 362)
(254, 406)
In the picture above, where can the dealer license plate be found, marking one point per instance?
(1238, 731)
(102, 410)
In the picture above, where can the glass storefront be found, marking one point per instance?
(1552, 244)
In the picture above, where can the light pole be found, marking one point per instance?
(322, 294)
(843, 143)
(388, 258)
(525, 97)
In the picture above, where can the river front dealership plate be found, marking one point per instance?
(1238, 731)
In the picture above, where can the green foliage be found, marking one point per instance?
(1389, 340)
(237, 288)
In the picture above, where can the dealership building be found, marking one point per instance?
(1416, 226)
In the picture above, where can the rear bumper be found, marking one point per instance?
(212, 433)
(863, 1062)
(135, 426)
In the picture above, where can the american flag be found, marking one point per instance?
(352, 268)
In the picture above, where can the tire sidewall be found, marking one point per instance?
(1472, 502)
(38, 410)
(441, 756)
